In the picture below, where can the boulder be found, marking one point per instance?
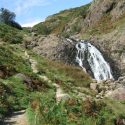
(120, 121)
(93, 86)
(118, 94)
(25, 79)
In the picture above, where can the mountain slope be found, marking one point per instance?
(66, 22)
(32, 82)
(100, 22)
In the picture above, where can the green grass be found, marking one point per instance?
(10, 34)
(39, 99)
(60, 73)
(16, 92)
(41, 105)
(57, 23)
(73, 111)
(105, 25)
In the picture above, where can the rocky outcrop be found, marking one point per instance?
(100, 8)
(109, 88)
(111, 43)
(112, 46)
(52, 47)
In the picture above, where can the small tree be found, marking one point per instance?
(8, 18)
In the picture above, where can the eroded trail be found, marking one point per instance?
(59, 92)
(16, 118)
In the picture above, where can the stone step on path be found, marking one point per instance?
(16, 118)
(33, 65)
(60, 95)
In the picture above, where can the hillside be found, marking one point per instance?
(65, 23)
(29, 81)
(100, 22)
(39, 73)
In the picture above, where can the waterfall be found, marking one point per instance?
(90, 54)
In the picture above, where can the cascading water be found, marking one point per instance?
(90, 54)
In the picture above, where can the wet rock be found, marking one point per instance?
(121, 78)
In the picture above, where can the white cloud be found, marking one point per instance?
(24, 5)
(31, 24)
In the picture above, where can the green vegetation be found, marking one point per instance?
(9, 34)
(39, 96)
(43, 109)
(61, 73)
(106, 25)
(58, 23)
(72, 112)
(20, 88)
(8, 17)
(17, 81)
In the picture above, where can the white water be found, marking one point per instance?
(100, 68)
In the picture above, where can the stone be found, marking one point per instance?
(97, 96)
(120, 121)
(121, 78)
(94, 80)
(93, 86)
(118, 94)
(44, 78)
(62, 97)
(23, 77)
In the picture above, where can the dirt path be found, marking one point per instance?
(17, 118)
(59, 92)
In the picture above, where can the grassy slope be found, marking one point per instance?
(75, 110)
(10, 34)
(105, 25)
(58, 22)
(39, 98)
(73, 19)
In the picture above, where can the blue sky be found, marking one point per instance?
(30, 12)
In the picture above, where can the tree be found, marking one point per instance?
(8, 18)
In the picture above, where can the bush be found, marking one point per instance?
(42, 29)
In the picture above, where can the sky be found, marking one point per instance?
(31, 12)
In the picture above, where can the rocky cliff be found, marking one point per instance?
(101, 22)
(105, 26)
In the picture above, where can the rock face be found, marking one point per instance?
(101, 7)
(110, 88)
(53, 47)
(111, 43)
